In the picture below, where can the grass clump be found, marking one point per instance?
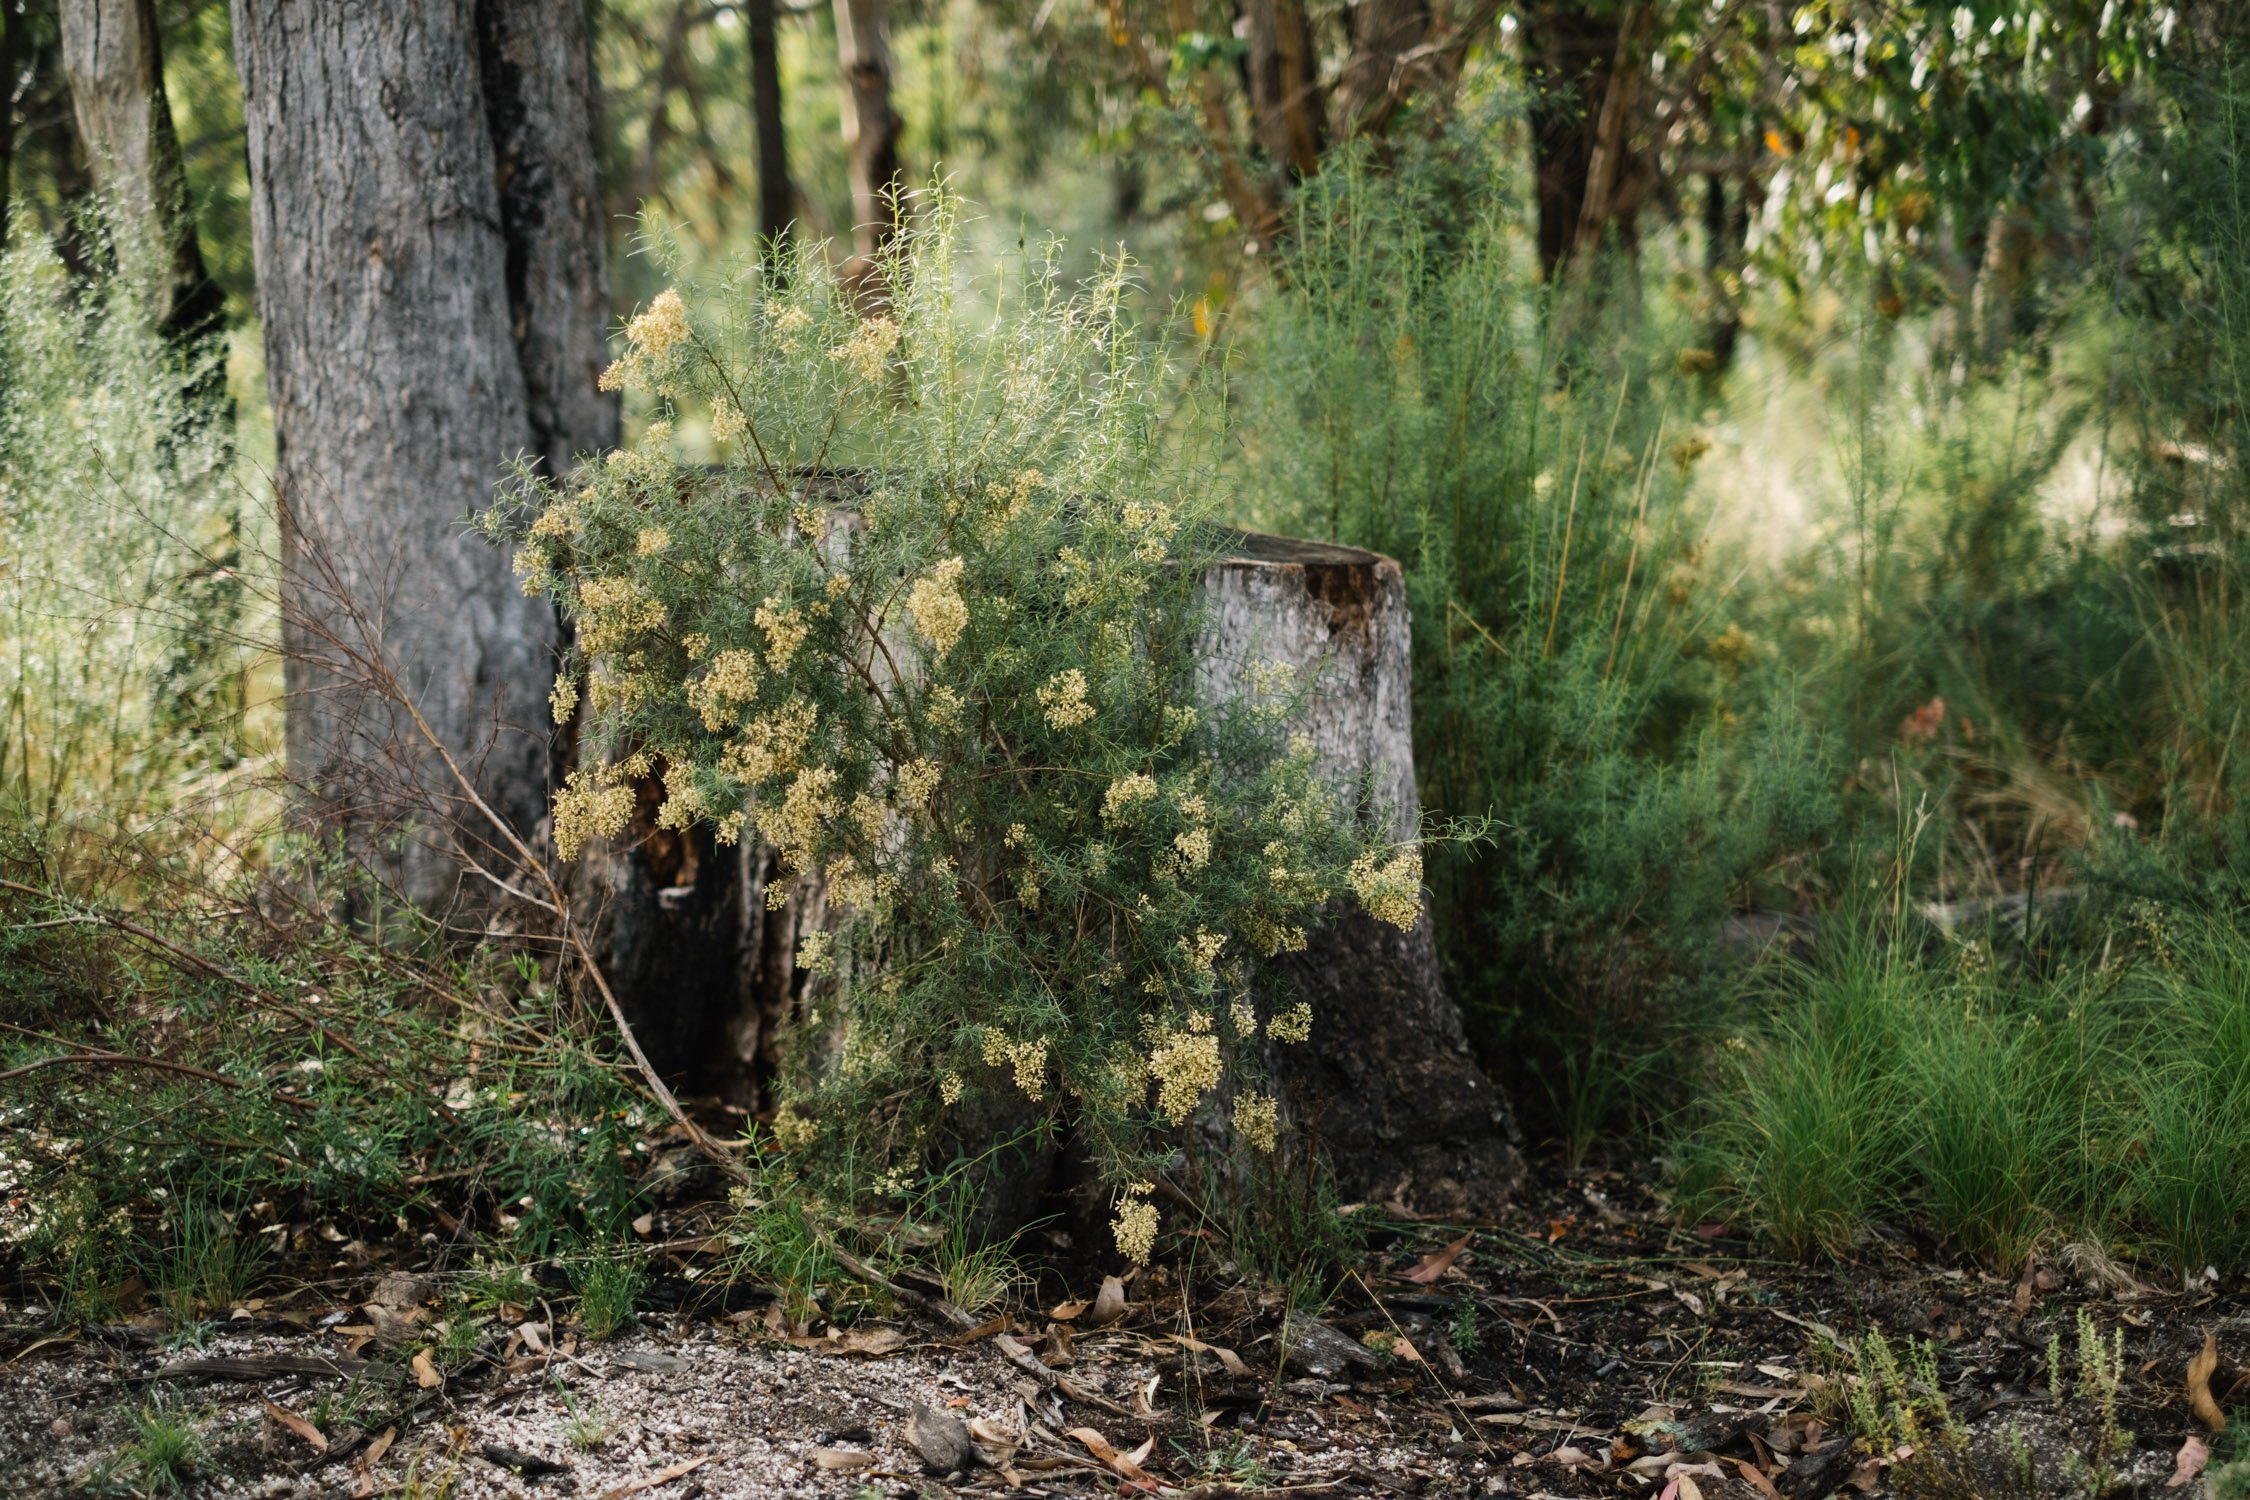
(934, 636)
(1999, 1109)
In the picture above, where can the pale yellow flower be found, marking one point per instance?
(785, 630)
(1064, 699)
(938, 609)
(1292, 1025)
(1125, 793)
(1185, 1066)
(1135, 1227)
(1257, 1120)
(1390, 892)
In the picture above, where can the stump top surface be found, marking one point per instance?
(1265, 547)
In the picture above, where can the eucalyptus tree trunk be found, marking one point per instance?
(872, 127)
(776, 194)
(113, 57)
(431, 280)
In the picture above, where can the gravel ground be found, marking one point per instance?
(763, 1419)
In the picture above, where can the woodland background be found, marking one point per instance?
(1812, 434)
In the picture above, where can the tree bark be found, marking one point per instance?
(1383, 33)
(396, 367)
(1286, 99)
(538, 104)
(1571, 52)
(113, 56)
(776, 194)
(872, 127)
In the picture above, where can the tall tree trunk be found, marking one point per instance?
(1283, 69)
(11, 66)
(113, 57)
(776, 195)
(1571, 51)
(872, 127)
(396, 363)
(1371, 86)
(538, 106)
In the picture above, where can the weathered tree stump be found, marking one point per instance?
(1386, 1083)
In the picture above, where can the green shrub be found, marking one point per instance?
(1580, 673)
(933, 634)
(128, 616)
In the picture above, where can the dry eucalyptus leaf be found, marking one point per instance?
(2199, 1384)
(842, 1458)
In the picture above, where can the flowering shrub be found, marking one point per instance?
(932, 633)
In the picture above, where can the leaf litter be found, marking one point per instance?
(1542, 1355)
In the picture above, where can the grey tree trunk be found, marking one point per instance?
(113, 56)
(872, 127)
(387, 217)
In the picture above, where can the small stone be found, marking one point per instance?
(942, 1440)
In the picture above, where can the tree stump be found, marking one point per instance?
(1387, 1082)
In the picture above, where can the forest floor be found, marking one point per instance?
(1587, 1345)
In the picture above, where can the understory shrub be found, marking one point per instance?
(932, 632)
(1580, 673)
(199, 1090)
(127, 622)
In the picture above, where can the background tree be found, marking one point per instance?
(432, 294)
(113, 54)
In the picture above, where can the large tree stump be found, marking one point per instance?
(1387, 1082)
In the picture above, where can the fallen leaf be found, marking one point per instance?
(313, 1436)
(1688, 1489)
(2194, 1454)
(1063, 1312)
(871, 1342)
(1109, 1303)
(1227, 1358)
(1755, 1477)
(1055, 1350)
(1435, 1264)
(1125, 1464)
(2199, 1384)
(650, 1481)
(842, 1458)
(426, 1371)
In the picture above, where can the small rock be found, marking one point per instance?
(942, 1440)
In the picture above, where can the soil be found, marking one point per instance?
(1587, 1344)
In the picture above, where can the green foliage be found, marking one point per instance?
(126, 612)
(934, 634)
(609, 1282)
(290, 1070)
(2003, 1109)
(1579, 673)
